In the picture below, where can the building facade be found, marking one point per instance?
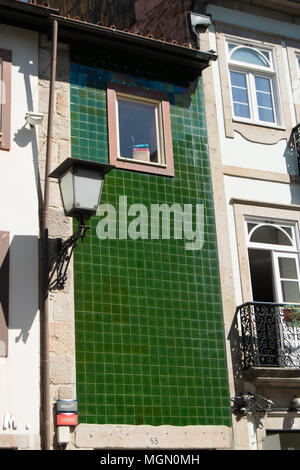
(149, 333)
(183, 295)
(252, 109)
(251, 96)
(19, 232)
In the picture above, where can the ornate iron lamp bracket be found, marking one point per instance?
(249, 403)
(65, 250)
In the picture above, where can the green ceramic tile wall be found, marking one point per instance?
(149, 330)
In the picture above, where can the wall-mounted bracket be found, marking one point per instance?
(65, 250)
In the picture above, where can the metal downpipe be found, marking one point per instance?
(45, 320)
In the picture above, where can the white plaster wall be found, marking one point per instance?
(19, 189)
(253, 190)
(243, 153)
(240, 151)
(248, 20)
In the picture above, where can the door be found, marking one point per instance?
(287, 284)
(275, 278)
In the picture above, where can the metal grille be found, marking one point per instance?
(295, 141)
(268, 338)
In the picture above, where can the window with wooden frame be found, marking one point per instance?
(5, 98)
(139, 129)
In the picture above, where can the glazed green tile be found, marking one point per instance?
(149, 329)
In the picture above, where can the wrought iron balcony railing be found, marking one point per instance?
(270, 335)
(295, 142)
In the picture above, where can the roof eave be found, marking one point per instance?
(76, 32)
(81, 32)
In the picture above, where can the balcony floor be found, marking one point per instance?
(288, 377)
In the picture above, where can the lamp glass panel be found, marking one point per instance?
(87, 188)
(67, 190)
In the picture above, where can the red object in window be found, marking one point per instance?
(67, 419)
(166, 167)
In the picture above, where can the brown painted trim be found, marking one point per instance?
(139, 92)
(6, 57)
(164, 170)
(250, 173)
(4, 292)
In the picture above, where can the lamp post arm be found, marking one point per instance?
(65, 250)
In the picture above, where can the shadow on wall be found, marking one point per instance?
(28, 135)
(24, 285)
(235, 341)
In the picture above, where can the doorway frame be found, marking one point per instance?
(244, 209)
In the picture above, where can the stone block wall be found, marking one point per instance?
(61, 303)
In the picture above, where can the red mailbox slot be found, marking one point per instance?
(67, 419)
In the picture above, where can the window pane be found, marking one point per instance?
(240, 94)
(287, 268)
(238, 79)
(269, 234)
(289, 231)
(266, 54)
(266, 115)
(250, 226)
(264, 99)
(137, 130)
(231, 46)
(245, 54)
(241, 110)
(290, 291)
(263, 84)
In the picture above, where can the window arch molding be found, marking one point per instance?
(277, 229)
(266, 63)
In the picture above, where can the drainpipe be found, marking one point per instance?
(45, 222)
(196, 21)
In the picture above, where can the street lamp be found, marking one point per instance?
(81, 184)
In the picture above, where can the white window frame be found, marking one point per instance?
(298, 65)
(289, 334)
(251, 71)
(276, 250)
(277, 277)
